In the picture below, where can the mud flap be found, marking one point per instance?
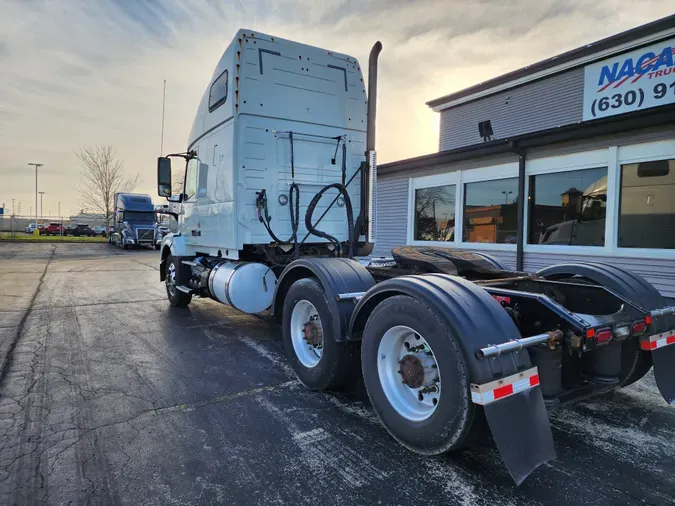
(522, 432)
(664, 372)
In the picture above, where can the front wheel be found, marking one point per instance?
(318, 360)
(176, 297)
(416, 378)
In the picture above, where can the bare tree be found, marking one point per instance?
(102, 177)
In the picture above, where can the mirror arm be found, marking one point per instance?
(189, 155)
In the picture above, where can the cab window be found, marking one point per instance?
(191, 178)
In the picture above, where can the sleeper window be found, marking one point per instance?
(218, 93)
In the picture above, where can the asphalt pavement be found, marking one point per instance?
(109, 396)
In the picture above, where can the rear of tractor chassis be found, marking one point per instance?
(439, 354)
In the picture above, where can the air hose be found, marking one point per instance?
(350, 217)
(294, 206)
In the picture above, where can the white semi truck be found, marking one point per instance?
(277, 213)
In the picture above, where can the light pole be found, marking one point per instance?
(12, 207)
(41, 194)
(59, 209)
(506, 196)
(36, 190)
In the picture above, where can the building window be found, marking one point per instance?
(490, 211)
(647, 205)
(568, 208)
(218, 93)
(435, 213)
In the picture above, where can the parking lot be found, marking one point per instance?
(108, 395)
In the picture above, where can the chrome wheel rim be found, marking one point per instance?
(307, 333)
(409, 373)
(171, 279)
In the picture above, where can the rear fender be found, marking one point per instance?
(336, 275)
(519, 423)
(636, 289)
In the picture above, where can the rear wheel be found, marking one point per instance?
(176, 297)
(416, 378)
(318, 360)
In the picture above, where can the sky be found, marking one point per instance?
(77, 73)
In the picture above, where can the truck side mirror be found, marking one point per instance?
(164, 176)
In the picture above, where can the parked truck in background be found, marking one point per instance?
(133, 221)
(277, 213)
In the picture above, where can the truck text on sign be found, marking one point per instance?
(637, 80)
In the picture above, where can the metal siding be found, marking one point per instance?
(547, 103)
(391, 214)
(659, 272)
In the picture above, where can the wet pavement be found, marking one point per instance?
(108, 395)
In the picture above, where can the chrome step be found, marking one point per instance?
(183, 289)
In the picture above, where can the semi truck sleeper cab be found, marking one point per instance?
(277, 213)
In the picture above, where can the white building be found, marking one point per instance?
(569, 159)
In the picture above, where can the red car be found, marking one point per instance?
(53, 229)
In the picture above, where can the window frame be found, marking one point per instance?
(458, 178)
(491, 245)
(540, 162)
(414, 210)
(526, 221)
(636, 153)
(219, 102)
(570, 162)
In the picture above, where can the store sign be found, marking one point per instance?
(629, 82)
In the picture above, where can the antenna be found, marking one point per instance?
(161, 144)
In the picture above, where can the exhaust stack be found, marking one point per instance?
(372, 96)
(366, 222)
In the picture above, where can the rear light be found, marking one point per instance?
(603, 336)
(622, 332)
(648, 319)
(639, 328)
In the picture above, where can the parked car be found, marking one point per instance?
(82, 230)
(52, 229)
(100, 230)
(30, 228)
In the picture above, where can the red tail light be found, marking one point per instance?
(648, 319)
(639, 328)
(603, 336)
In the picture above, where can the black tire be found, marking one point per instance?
(456, 420)
(177, 298)
(635, 363)
(339, 363)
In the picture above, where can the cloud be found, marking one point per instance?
(82, 73)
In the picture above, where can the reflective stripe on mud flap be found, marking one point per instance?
(658, 340)
(500, 389)
(518, 420)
